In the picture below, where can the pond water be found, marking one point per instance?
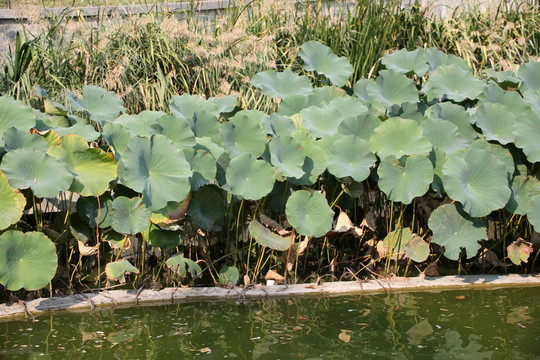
(481, 324)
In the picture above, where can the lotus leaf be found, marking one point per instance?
(503, 77)
(13, 203)
(454, 83)
(287, 156)
(436, 58)
(27, 260)
(496, 122)
(206, 144)
(204, 124)
(162, 238)
(250, 178)
(101, 105)
(320, 122)
(512, 99)
(117, 270)
(275, 201)
(533, 212)
(532, 97)
(81, 129)
(14, 113)
(314, 163)
(295, 103)
(45, 175)
(169, 217)
(93, 168)
(399, 137)
(329, 93)
(444, 136)
(203, 167)
(361, 90)
(186, 105)
(242, 135)
(16, 139)
(348, 106)
(95, 209)
(391, 88)
(519, 251)
(351, 156)
(282, 84)
(454, 229)
(405, 178)
(309, 213)
(527, 132)
(437, 158)
(79, 229)
(129, 216)
(157, 169)
(360, 125)
(407, 62)
(177, 130)
(266, 237)
(117, 136)
(524, 188)
(276, 125)
(178, 263)
(397, 240)
(229, 275)
(500, 153)
(224, 104)
(417, 249)
(456, 115)
(142, 124)
(207, 207)
(318, 57)
(478, 180)
(529, 73)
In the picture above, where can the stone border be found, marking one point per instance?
(125, 298)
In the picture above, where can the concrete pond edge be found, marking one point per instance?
(104, 299)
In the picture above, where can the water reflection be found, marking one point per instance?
(496, 324)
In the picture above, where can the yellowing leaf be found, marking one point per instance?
(343, 336)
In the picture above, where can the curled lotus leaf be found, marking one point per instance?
(96, 210)
(496, 122)
(101, 105)
(142, 124)
(181, 265)
(266, 237)
(45, 175)
(203, 167)
(318, 57)
(503, 77)
(397, 240)
(186, 105)
(282, 84)
(320, 122)
(407, 62)
(250, 178)
(161, 238)
(205, 124)
(314, 163)
(157, 169)
(398, 137)
(16, 139)
(444, 135)
(228, 275)
(117, 270)
(27, 260)
(13, 203)
(524, 188)
(478, 180)
(437, 158)
(454, 229)
(177, 130)
(529, 73)
(390, 88)
(405, 178)
(417, 249)
(207, 207)
(287, 156)
(309, 213)
(117, 136)
(527, 132)
(14, 113)
(243, 135)
(454, 83)
(129, 216)
(351, 156)
(519, 251)
(276, 125)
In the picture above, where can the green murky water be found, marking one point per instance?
(487, 324)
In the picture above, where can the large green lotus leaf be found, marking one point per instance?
(224, 104)
(406, 178)
(287, 156)
(478, 180)
(14, 113)
(81, 129)
(397, 240)
(141, 124)
(186, 105)
(204, 124)
(207, 207)
(276, 125)
(329, 93)
(319, 121)
(407, 62)
(16, 139)
(179, 264)
(228, 275)
(13, 203)
(496, 122)
(250, 178)
(500, 153)
(454, 229)
(437, 158)
(318, 57)
(454, 83)
(532, 97)
(512, 99)
(177, 130)
(457, 115)
(206, 144)
(309, 213)
(162, 238)
(529, 73)
(527, 132)
(524, 188)
(314, 163)
(203, 167)
(93, 169)
(503, 77)
(27, 260)
(443, 135)
(399, 137)
(417, 249)
(157, 169)
(282, 84)
(351, 156)
(295, 103)
(348, 106)
(533, 212)
(117, 136)
(361, 90)
(242, 135)
(117, 270)
(360, 125)
(267, 238)
(129, 216)
(100, 105)
(391, 88)
(436, 58)
(95, 211)
(45, 175)
(328, 141)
